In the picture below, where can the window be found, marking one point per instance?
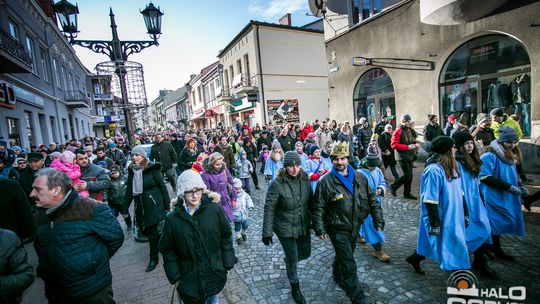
(374, 97)
(57, 74)
(30, 49)
(14, 131)
(487, 72)
(64, 78)
(246, 64)
(53, 129)
(71, 126)
(44, 70)
(239, 66)
(97, 88)
(13, 30)
(70, 82)
(30, 128)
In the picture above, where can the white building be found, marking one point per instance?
(274, 72)
(197, 103)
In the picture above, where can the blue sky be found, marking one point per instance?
(193, 32)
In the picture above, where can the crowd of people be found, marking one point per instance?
(323, 176)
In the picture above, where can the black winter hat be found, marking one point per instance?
(440, 145)
(460, 137)
(497, 112)
(291, 158)
(507, 134)
(372, 160)
(431, 116)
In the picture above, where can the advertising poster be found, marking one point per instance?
(283, 111)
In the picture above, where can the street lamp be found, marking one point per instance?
(117, 50)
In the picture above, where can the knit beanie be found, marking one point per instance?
(313, 148)
(497, 112)
(440, 145)
(189, 180)
(291, 158)
(3, 143)
(460, 138)
(299, 144)
(431, 116)
(406, 117)
(237, 183)
(452, 118)
(481, 117)
(507, 134)
(140, 150)
(112, 145)
(276, 144)
(372, 160)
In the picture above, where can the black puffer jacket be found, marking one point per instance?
(116, 193)
(345, 214)
(152, 204)
(163, 153)
(287, 205)
(187, 158)
(15, 273)
(16, 212)
(364, 136)
(197, 250)
(431, 131)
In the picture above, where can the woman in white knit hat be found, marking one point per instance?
(196, 243)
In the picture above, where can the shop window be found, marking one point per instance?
(14, 131)
(485, 73)
(30, 128)
(374, 97)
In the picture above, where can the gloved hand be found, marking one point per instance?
(267, 240)
(524, 191)
(435, 231)
(514, 190)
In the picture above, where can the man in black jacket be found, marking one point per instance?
(364, 137)
(35, 162)
(432, 129)
(343, 199)
(289, 218)
(164, 153)
(285, 140)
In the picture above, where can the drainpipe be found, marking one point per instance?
(259, 67)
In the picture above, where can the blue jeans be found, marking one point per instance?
(212, 299)
(523, 109)
(238, 226)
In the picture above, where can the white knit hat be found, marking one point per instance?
(189, 180)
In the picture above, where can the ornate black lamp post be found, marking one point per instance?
(117, 50)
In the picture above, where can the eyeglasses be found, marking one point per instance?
(193, 192)
(22, 163)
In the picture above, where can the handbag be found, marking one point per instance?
(229, 187)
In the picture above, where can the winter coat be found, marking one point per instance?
(15, 273)
(105, 159)
(287, 205)
(116, 193)
(16, 214)
(379, 127)
(338, 210)
(163, 153)
(244, 168)
(187, 158)
(308, 143)
(9, 173)
(384, 144)
(222, 183)
(364, 136)
(197, 250)
(432, 131)
(74, 244)
(9, 157)
(228, 155)
(118, 158)
(97, 181)
(264, 141)
(244, 204)
(400, 141)
(306, 131)
(323, 136)
(286, 142)
(152, 204)
(507, 122)
(251, 152)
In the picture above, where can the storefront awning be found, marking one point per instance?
(197, 115)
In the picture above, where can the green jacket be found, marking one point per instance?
(507, 122)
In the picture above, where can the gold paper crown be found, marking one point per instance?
(341, 149)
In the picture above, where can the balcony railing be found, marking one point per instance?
(77, 99)
(13, 55)
(243, 83)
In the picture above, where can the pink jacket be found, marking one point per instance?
(73, 171)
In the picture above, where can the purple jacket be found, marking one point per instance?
(216, 182)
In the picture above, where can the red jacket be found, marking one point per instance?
(400, 141)
(306, 131)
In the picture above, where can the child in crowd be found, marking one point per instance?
(244, 168)
(67, 165)
(244, 204)
(374, 149)
(274, 161)
(116, 193)
(263, 156)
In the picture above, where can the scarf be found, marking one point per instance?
(347, 181)
(137, 179)
(499, 151)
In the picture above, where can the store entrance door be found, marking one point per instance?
(381, 104)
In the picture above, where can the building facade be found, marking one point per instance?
(274, 72)
(197, 99)
(44, 96)
(404, 58)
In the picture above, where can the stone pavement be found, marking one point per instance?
(260, 277)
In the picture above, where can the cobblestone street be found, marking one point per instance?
(260, 277)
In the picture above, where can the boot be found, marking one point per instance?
(361, 240)
(297, 294)
(244, 235)
(393, 190)
(481, 266)
(497, 250)
(410, 196)
(414, 260)
(381, 256)
(152, 264)
(239, 241)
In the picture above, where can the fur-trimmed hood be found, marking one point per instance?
(211, 196)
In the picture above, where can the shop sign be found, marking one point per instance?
(484, 52)
(283, 110)
(28, 96)
(253, 97)
(7, 95)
